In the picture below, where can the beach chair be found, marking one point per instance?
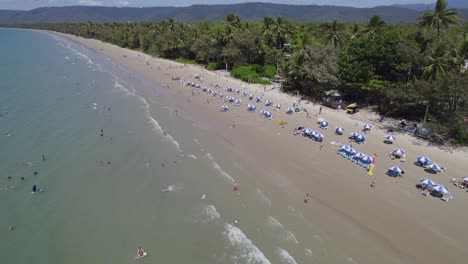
(425, 192)
(447, 197)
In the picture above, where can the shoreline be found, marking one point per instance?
(392, 222)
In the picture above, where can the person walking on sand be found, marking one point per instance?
(306, 198)
(320, 148)
(374, 181)
(320, 110)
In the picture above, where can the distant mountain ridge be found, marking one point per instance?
(194, 13)
(459, 4)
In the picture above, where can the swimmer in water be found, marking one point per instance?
(167, 189)
(34, 188)
(102, 132)
(236, 186)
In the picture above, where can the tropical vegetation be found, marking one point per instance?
(407, 70)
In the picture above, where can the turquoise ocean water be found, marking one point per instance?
(55, 97)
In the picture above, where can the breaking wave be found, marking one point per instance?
(285, 256)
(245, 250)
(216, 166)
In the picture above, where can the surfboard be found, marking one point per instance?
(138, 257)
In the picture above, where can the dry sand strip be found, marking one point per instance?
(408, 227)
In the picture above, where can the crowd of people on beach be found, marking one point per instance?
(227, 96)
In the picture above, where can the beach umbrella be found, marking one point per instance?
(390, 137)
(398, 151)
(351, 151)
(268, 102)
(324, 123)
(314, 133)
(359, 155)
(339, 130)
(434, 167)
(344, 147)
(319, 135)
(427, 182)
(465, 179)
(267, 114)
(359, 137)
(423, 160)
(307, 131)
(366, 159)
(367, 126)
(440, 188)
(354, 134)
(395, 169)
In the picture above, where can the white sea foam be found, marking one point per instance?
(216, 166)
(210, 213)
(245, 250)
(264, 197)
(308, 252)
(351, 260)
(86, 58)
(154, 124)
(282, 232)
(285, 256)
(191, 156)
(67, 58)
(196, 141)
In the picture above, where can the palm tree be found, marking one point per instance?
(332, 33)
(460, 54)
(374, 26)
(268, 30)
(439, 63)
(440, 16)
(355, 32)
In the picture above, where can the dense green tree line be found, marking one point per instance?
(404, 68)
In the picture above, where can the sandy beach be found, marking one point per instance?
(391, 223)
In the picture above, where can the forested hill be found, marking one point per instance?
(246, 11)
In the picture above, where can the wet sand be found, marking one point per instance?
(392, 223)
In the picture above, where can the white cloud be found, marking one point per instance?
(120, 3)
(90, 3)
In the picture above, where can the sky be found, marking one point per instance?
(31, 4)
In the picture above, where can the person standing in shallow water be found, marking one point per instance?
(306, 198)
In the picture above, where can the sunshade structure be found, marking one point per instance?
(465, 179)
(434, 167)
(307, 131)
(440, 188)
(427, 182)
(354, 134)
(319, 136)
(367, 127)
(344, 147)
(224, 108)
(390, 138)
(395, 169)
(323, 124)
(422, 161)
(360, 138)
(351, 151)
(359, 155)
(339, 130)
(367, 159)
(268, 103)
(237, 102)
(251, 108)
(398, 152)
